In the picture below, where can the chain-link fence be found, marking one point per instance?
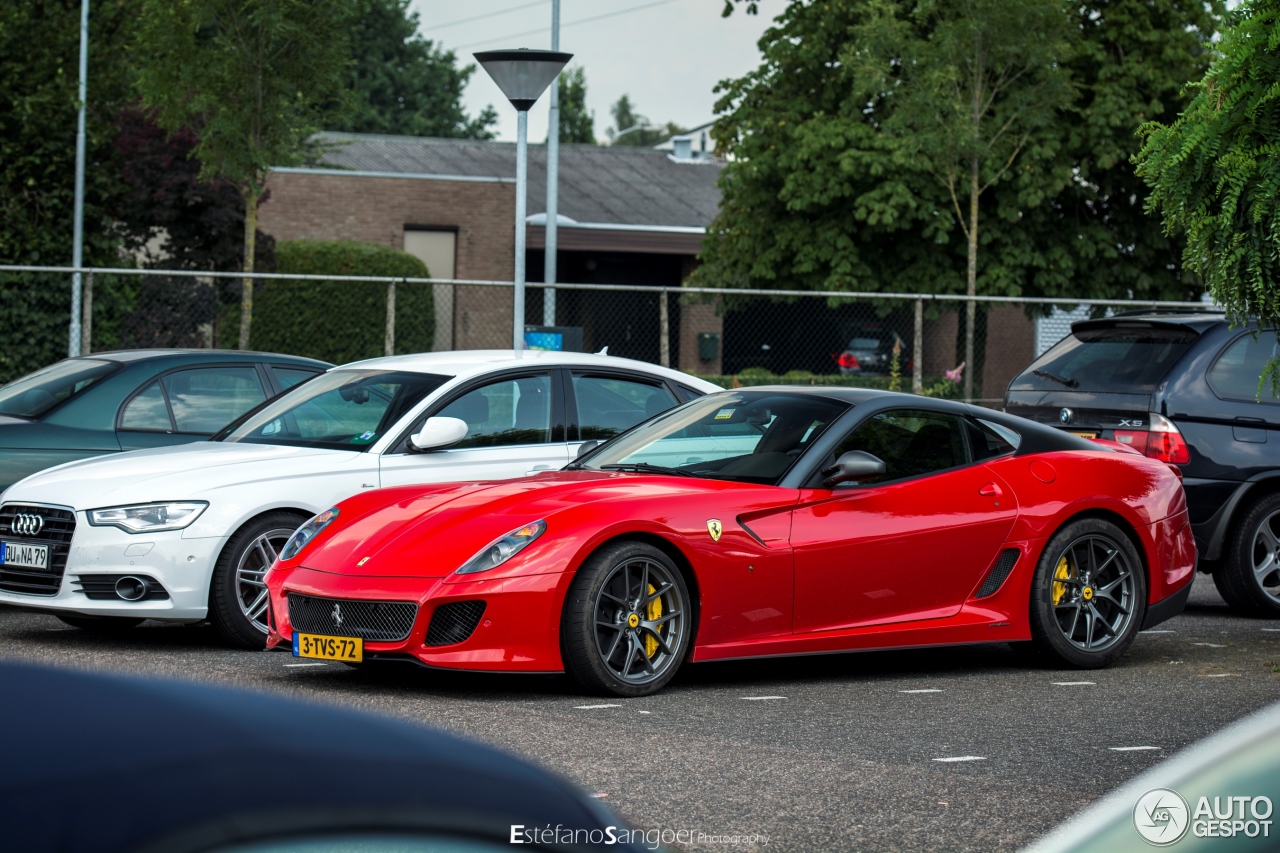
(908, 342)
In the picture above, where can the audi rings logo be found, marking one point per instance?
(27, 524)
(1161, 817)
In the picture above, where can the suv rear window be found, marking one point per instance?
(1119, 357)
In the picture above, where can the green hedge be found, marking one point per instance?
(335, 320)
(935, 386)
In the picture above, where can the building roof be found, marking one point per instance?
(622, 186)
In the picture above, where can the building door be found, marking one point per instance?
(437, 248)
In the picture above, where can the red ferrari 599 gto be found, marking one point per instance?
(769, 521)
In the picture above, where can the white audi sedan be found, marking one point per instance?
(186, 533)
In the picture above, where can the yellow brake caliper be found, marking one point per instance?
(652, 612)
(1060, 589)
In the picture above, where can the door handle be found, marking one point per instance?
(990, 490)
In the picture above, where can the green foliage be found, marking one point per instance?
(753, 376)
(341, 321)
(577, 123)
(1214, 173)
(828, 190)
(404, 84)
(253, 78)
(639, 132)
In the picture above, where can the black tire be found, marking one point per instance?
(654, 640)
(240, 561)
(101, 624)
(1104, 580)
(1249, 578)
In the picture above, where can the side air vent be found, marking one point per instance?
(453, 623)
(999, 573)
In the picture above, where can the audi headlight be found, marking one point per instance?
(307, 532)
(504, 548)
(148, 518)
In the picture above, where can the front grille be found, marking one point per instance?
(453, 623)
(56, 531)
(1000, 571)
(103, 587)
(380, 621)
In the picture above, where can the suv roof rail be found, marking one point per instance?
(1208, 309)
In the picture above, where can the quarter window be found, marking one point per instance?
(1236, 373)
(147, 411)
(910, 443)
(206, 399)
(505, 413)
(608, 405)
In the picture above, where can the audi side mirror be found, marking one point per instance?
(439, 432)
(585, 448)
(852, 466)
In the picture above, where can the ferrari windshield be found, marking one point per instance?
(749, 436)
(341, 409)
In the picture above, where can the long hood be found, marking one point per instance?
(184, 472)
(431, 531)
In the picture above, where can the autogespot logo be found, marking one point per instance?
(1161, 817)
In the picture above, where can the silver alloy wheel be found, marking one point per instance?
(1265, 557)
(251, 591)
(639, 621)
(1093, 591)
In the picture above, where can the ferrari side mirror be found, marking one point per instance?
(439, 432)
(586, 447)
(854, 465)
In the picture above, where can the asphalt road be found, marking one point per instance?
(824, 753)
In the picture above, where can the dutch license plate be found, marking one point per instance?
(350, 649)
(1083, 434)
(26, 556)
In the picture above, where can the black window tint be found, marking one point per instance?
(1235, 375)
(608, 405)
(509, 412)
(910, 443)
(1124, 357)
(987, 442)
(290, 376)
(206, 399)
(147, 411)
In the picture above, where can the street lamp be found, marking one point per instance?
(522, 75)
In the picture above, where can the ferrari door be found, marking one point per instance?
(912, 545)
(513, 429)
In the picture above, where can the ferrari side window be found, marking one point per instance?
(506, 413)
(910, 443)
(991, 440)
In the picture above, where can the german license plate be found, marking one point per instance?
(1084, 434)
(26, 556)
(350, 649)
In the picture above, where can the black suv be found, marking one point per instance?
(1182, 388)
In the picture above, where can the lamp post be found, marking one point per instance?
(522, 75)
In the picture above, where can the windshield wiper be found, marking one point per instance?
(1070, 383)
(646, 468)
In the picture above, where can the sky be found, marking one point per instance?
(667, 55)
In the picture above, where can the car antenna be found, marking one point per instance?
(604, 351)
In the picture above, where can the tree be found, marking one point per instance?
(631, 128)
(253, 79)
(404, 84)
(577, 123)
(816, 196)
(961, 88)
(1214, 173)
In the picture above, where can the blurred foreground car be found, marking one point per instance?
(751, 523)
(186, 533)
(1218, 795)
(114, 401)
(184, 768)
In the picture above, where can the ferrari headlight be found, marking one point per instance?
(307, 532)
(148, 518)
(504, 548)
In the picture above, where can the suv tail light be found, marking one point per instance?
(1163, 441)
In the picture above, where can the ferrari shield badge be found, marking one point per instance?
(715, 528)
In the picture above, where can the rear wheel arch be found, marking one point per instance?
(1119, 521)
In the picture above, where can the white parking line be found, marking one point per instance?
(306, 664)
(645, 712)
(1158, 631)
(1222, 675)
(1131, 748)
(1210, 645)
(961, 758)
(1074, 683)
(922, 690)
(1271, 629)
(594, 707)
(761, 698)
